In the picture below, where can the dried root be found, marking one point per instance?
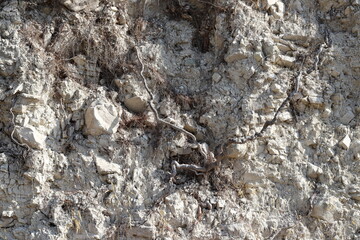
(210, 161)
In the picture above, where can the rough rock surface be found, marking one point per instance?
(101, 118)
(83, 156)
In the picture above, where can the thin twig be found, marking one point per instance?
(317, 56)
(156, 112)
(273, 120)
(13, 131)
(210, 161)
(192, 167)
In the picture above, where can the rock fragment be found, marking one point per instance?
(345, 142)
(328, 209)
(190, 125)
(277, 88)
(268, 3)
(216, 77)
(285, 61)
(236, 151)
(347, 117)
(101, 118)
(236, 55)
(355, 146)
(285, 117)
(278, 9)
(313, 171)
(78, 5)
(316, 101)
(30, 136)
(259, 56)
(136, 104)
(270, 49)
(141, 232)
(104, 167)
(274, 147)
(354, 192)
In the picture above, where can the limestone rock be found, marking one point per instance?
(101, 118)
(236, 151)
(252, 177)
(278, 9)
(268, 3)
(190, 124)
(236, 230)
(316, 101)
(355, 146)
(328, 209)
(80, 60)
(272, 150)
(326, 113)
(277, 88)
(141, 232)
(105, 167)
(30, 98)
(285, 61)
(259, 56)
(274, 147)
(285, 117)
(78, 5)
(354, 192)
(175, 203)
(216, 77)
(270, 49)
(150, 119)
(136, 104)
(97, 226)
(345, 142)
(283, 47)
(235, 55)
(313, 171)
(347, 117)
(30, 136)
(295, 37)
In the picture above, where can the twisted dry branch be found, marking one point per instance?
(13, 131)
(273, 120)
(210, 161)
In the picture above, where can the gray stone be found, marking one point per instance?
(347, 117)
(236, 151)
(268, 3)
(277, 88)
(105, 167)
(136, 104)
(101, 118)
(30, 136)
(78, 5)
(354, 192)
(216, 77)
(285, 61)
(316, 101)
(278, 9)
(328, 209)
(313, 171)
(355, 146)
(345, 142)
(236, 55)
(259, 56)
(141, 232)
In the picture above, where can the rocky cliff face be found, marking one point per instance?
(179, 119)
